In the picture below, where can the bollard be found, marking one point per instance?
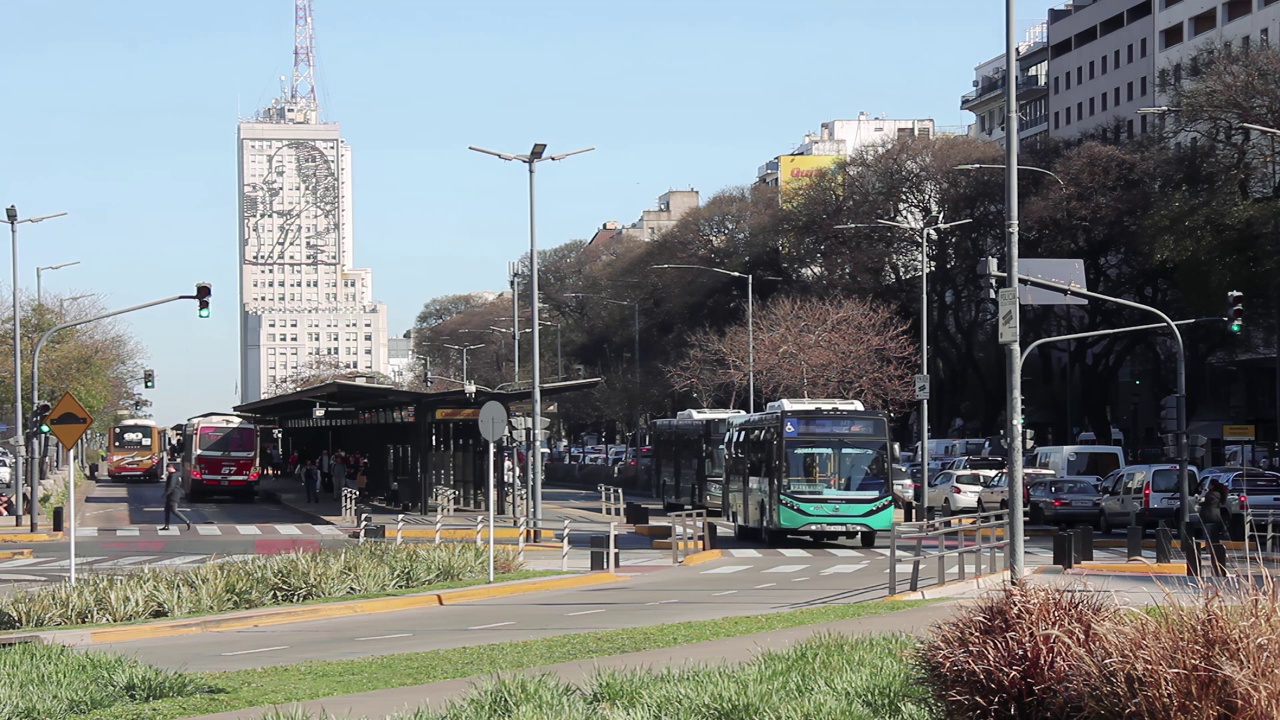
(598, 546)
(1164, 544)
(1079, 536)
(479, 530)
(564, 548)
(399, 529)
(1135, 542)
(520, 539)
(1191, 551)
(708, 535)
(611, 559)
(365, 520)
(1086, 542)
(57, 519)
(1063, 551)
(439, 522)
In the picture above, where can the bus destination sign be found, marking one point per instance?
(865, 427)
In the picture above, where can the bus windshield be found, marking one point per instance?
(834, 466)
(130, 438)
(715, 462)
(227, 439)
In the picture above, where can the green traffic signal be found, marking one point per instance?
(44, 428)
(204, 312)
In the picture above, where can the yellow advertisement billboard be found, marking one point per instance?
(793, 169)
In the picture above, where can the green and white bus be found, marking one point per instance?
(817, 468)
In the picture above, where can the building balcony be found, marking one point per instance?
(984, 92)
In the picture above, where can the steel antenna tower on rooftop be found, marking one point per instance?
(303, 90)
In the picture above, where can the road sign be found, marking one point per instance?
(1238, 432)
(922, 387)
(68, 420)
(493, 421)
(1008, 316)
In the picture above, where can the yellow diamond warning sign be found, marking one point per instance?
(68, 421)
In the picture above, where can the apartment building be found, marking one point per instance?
(1187, 30)
(987, 99)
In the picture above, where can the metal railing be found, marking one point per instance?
(1252, 520)
(446, 498)
(349, 497)
(688, 533)
(611, 502)
(989, 532)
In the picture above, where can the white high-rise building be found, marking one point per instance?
(305, 307)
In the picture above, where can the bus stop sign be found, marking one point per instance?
(68, 421)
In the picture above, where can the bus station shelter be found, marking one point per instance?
(414, 441)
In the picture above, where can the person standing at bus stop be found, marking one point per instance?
(172, 485)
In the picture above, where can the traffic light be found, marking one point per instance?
(203, 291)
(1169, 414)
(1235, 311)
(148, 379)
(42, 417)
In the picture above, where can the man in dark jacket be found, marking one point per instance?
(1211, 516)
(172, 486)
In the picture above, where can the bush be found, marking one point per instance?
(44, 682)
(1035, 652)
(249, 583)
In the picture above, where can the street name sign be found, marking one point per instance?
(922, 387)
(1008, 316)
(68, 421)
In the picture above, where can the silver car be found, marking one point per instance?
(1248, 491)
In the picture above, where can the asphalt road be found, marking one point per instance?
(141, 503)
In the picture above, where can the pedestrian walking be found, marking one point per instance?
(1211, 518)
(339, 475)
(311, 481)
(172, 485)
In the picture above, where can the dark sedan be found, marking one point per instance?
(1059, 501)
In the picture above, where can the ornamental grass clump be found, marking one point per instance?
(1036, 652)
(247, 583)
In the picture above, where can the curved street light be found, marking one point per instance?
(1032, 168)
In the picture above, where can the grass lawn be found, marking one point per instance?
(319, 679)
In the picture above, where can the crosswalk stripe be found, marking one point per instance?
(741, 552)
(725, 569)
(791, 552)
(329, 530)
(843, 568)
(180, 560)
(127, 532)
(121, 562)
(248, 530)
(906, 567)
(1038, 551)
(844, 552)
(170, 531)
(232, 557)
(20, 562)
(208, 530)
(288, 530)
(86, 532)
(79, 562)
(785, 568)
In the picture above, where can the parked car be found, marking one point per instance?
(1060, 501)
(978, 462)
(955, 491)
(1248, 490)
(6, 471)
(1143, 494)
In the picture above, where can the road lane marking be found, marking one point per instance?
(493, 625)
(87, 532)
(127, 532)
(906, 567)
(741, 552)
(121, 562)
(844, 552)
(583, 612)
(232, 558)
(793, 552)
(725, 569)
(170, 531)
(208, 530)
(843, 568)
(20, 562)
(785, 568)
(180, 560)
(248, 530)
(247, 652)
(799, 579)
(726, 592)
(16, 576)
(662, 602)
(79, 562)
(766, 585)
(288, 530)
(329, 530)
(386, 637)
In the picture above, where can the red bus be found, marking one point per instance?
(220, 457)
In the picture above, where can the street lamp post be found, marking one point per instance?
(924, 231)
(11, 217)
(535, 155)
(751, 333)
(464, 349)
(59, 266)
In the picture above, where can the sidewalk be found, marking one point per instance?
(18, 530)
(380, 703)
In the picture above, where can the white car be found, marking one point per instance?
(6, 472)
(957, 491)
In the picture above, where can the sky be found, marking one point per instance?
(123, 115)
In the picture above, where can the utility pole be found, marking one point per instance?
(1013, 349)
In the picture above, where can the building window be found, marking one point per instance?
(1129, 54)
(1171, 37)
(1079, 74)
(1264, 37)
(1091, 64)
(1143, 124)
(368, 337)
(1055, 86)
(1067, 75)
(1080, 110)
(1177, 74)
(1068, 116)
(271, 337)
(1142, 86)
(1142, 47)
(1056, 118)
(1128, 92)
(1104, 64)
(1129, 128)
(1104, 102)
(1116, 102)
(1116, 64)
(1091, 107)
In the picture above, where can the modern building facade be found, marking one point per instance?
(845, 137)
(304, 305)
(1188, 29)
(1102, 67)
(672, 205)
(987, 99)
(400, 357)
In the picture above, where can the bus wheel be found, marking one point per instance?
(867, 538)
(739, 532)
(773, 538)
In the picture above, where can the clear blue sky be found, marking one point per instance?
(124, 114)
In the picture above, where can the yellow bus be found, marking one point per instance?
(137, 450)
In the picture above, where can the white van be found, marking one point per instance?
(1088, 438)
(1066, 460)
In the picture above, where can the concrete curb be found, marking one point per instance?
(951, 589)
(703, 556)
(1136, 567)
(15, 554)
(31, 537)
(319, 611)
